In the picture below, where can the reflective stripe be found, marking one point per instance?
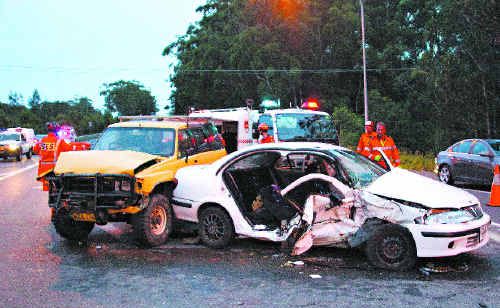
(47, 162)
(366, 148)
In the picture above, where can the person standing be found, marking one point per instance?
(365, 140)
(49, 148)
(264, 135)
(384, 143)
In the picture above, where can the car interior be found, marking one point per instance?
(250, 179)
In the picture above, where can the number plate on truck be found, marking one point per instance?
(83, 217)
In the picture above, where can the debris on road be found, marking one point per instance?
(432, 267)
(315, 276)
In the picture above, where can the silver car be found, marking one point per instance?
(470, 161)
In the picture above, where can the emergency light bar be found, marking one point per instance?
(310, 105)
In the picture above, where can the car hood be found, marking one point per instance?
(105, 162)
(408, 186)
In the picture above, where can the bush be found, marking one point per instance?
(418, 162)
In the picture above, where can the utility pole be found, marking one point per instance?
(365, 86)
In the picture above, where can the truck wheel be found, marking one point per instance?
(19, 155)
(29, 154)
(153, 224)
(391, 247)
(215, 227)
(70, 229)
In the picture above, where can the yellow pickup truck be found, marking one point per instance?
(129, 176)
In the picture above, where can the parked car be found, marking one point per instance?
(129, 176)
(314, 194)
(470, 161)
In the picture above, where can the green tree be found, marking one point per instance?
(128, 98)
(15, 98)
(35, 99)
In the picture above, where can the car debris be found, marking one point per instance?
(315, 276)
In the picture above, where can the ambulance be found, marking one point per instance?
(238, 126)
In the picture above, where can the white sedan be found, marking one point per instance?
(314, 194)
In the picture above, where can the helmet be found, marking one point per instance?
(381, 130)
(369, 126)
(263, 127)
(51, 126)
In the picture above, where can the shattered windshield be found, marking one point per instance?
(10, 137)
(360, 170)
(302, 127)
(156, 141)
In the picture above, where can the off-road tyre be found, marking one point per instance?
(19, 155)
(444, 174)
(216, 228)
(29, 154)
(391, 247)
(153, 225)
(69, 228)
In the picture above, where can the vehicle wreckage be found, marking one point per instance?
(330, 196)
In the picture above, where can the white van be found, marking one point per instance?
(16, 142)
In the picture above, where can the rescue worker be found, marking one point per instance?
(49, 148)
(365, 140)
(264, 136)
(386, 144)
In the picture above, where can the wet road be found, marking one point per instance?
(40, 269)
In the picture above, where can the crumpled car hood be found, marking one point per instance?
(110, 162)
(408, 186)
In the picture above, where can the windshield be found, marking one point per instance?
(299, 126)
(12, 137)
(156, 141)
(360, 170)
(495, 145)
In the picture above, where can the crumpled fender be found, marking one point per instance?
(151, 180)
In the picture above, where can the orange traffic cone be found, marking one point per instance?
(495, 188)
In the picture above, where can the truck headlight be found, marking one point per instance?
(13, 147)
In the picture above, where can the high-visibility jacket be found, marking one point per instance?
(267, 139)
(50, 147)
(364, 145)
(387, 145)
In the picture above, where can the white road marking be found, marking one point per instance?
(495, 224)
(13, 173)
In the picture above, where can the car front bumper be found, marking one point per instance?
(449, 240)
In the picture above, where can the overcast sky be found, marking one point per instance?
(67, 49)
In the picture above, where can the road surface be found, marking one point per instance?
(40, 269)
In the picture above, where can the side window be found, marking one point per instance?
(187, 143)
(464, 147)
(23, 138)
(480, 148)
(199, 140)
(269, 121)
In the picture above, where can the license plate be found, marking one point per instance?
(83, 217)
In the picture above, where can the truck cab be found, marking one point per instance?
(16, 142)
(129, 176)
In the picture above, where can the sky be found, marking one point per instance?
(68, 49)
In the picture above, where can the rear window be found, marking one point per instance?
(495, 145)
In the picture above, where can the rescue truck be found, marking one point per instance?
(16, 142)
(238, 126)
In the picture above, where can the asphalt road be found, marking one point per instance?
(38, 268)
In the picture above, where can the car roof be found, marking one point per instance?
(294, 110)
(282, 146)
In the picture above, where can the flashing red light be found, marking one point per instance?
(310, 105)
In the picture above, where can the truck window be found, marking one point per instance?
(269, 121)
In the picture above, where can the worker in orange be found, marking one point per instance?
(365, 140)
(264, 135)
(385, 144)
(49, 148)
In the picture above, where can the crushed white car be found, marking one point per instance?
(313, 194)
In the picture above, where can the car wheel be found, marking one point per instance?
(19, 155)
(153, 224)
(71, 229)
(215, 227)
(29, 154)
(444, 174)
(391, 247)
